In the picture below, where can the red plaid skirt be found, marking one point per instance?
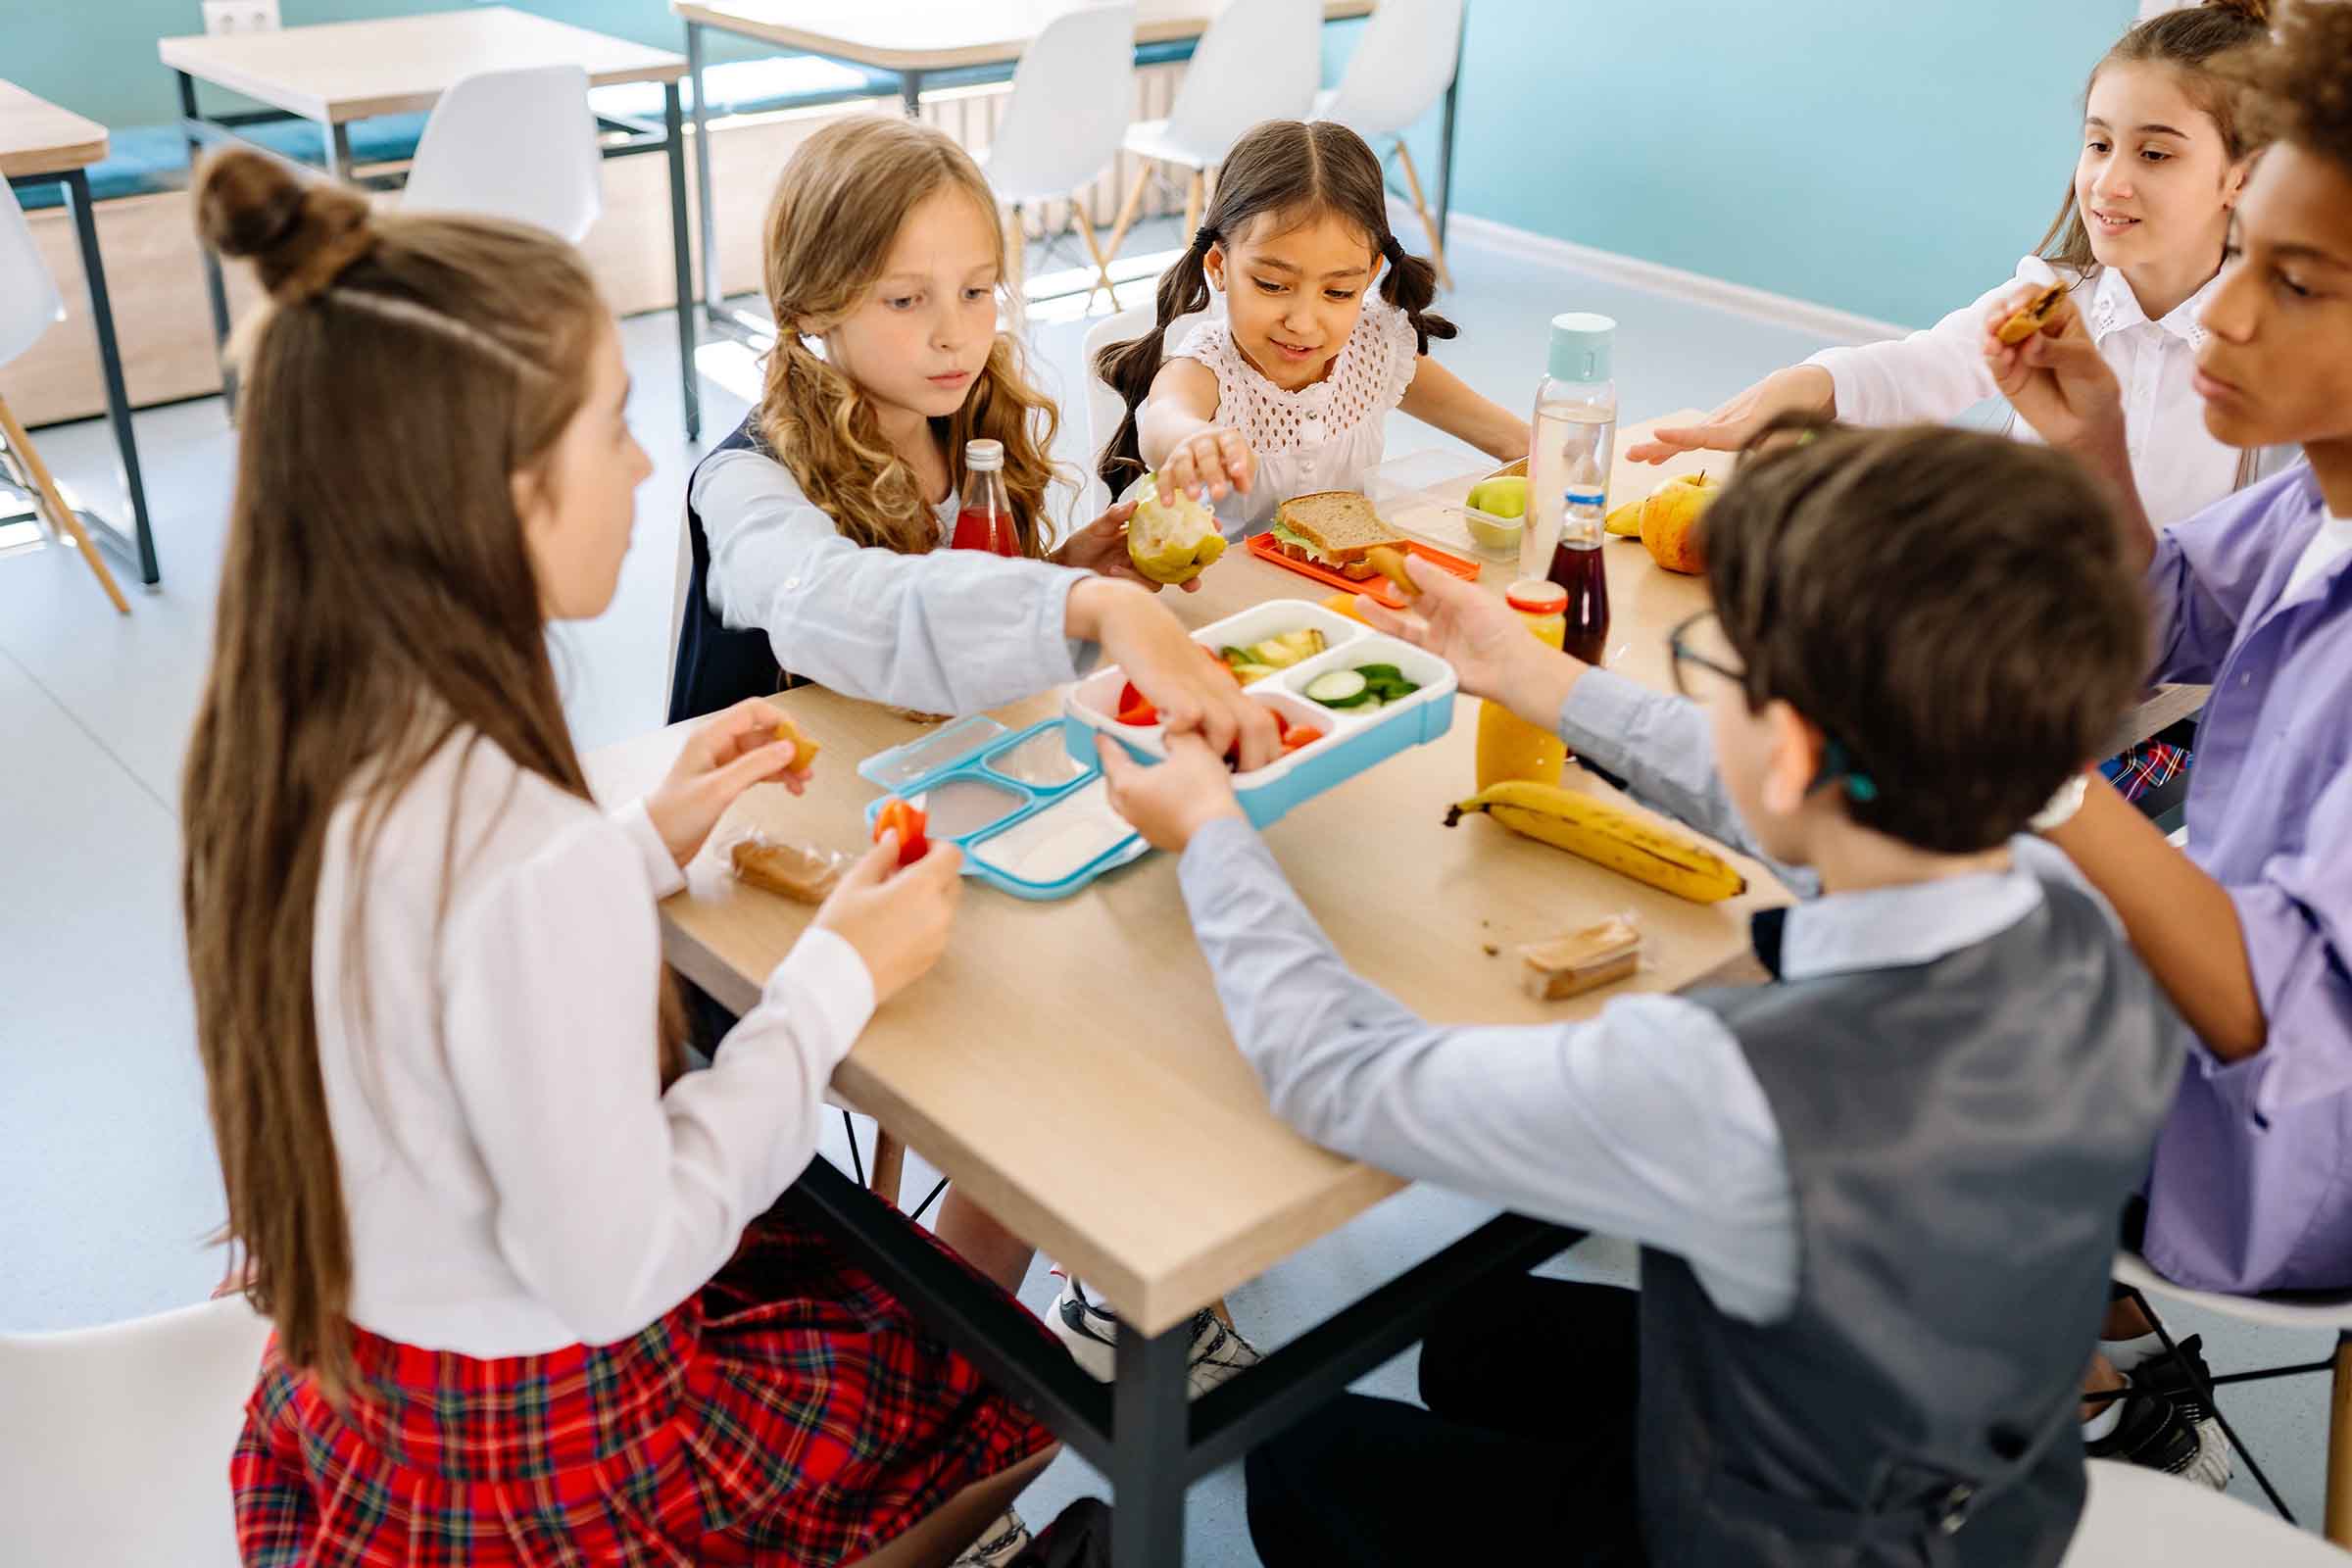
(793, 1412)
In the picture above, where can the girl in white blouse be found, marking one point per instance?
(2142, 225)
(1288, 390)
(529, 1301)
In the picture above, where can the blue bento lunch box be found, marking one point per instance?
(1030, 810)
(1353, 739)
(1030, 817)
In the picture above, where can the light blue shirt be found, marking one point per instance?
(954, 631)
(1645, 1121)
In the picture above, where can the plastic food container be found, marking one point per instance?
(1031, 817)
(1353, 739)
(1498, 534)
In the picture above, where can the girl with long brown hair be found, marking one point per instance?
(818, 529)
(2137, 242)
(1324, 329)
(528, 1303)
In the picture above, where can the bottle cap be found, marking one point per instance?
(1534, 596)
(1579, 346)
(983, 457)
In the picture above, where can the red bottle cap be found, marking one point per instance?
(1533, 596)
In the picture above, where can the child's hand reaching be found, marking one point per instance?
(1193, 690)
(723, 756)
(898, 920)
(1488, 644)
(1800, 388)
(1211, 465)
(1101, 547)
(1170, 803)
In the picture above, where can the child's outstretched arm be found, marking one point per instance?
(1645, 1123)
(1177, 429)
(1438, 397)
(1659, 744)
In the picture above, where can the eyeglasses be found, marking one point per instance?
(1679, 653)
(1838, 766)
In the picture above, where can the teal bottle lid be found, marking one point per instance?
(1579, 346)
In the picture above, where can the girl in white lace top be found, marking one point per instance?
(1288, 389)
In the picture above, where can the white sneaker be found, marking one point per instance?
(1091, 1334)
(1000, 1543)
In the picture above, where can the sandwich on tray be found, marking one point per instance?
(1334, 529)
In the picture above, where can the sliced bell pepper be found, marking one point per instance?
(908, 822)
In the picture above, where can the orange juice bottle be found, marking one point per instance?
(1508, 746)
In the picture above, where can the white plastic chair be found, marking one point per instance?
(1072, 97)
(1103, 409)
(2315, 1315)
(1259, 59)
(2137, 1518)
(30, 306)
(116, 1441)
(1408, 53)
(512, 144)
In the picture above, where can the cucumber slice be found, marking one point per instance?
(1378, 671)
(1338, 688)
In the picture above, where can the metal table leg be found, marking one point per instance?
(215, 287)
(712, 293)
(1150, 1435)
(910, 93)
(1453, 96)
(139, 551)
(681, 255)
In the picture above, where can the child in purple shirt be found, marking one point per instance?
(2249, 929)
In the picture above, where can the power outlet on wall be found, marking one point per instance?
(240, 16)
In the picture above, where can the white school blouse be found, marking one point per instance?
(514, 1176)
(1940, 372)
(1327, 436)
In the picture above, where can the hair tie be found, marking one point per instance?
(1393, 251)
(1203, 237)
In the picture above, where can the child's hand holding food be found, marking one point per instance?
(1172, 802)
(1190, 689)
(2039, 352)
(897, 919)
(1101, 546)
(1212, 464)
(1487, 646)
(751, 742)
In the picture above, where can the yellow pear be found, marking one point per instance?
(1669, 520)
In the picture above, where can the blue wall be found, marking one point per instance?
(1892, 159)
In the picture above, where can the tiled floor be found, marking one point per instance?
(106, 1186)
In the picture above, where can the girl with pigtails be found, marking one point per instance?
(1325, 328)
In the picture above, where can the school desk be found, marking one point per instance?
(912, 40)
(335, 73)
(41, 144)
(1068, 1063)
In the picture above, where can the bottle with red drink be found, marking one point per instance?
(984, 521)
(1578, 565)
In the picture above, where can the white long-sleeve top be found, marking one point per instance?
(514, 1176)
(1938, 374)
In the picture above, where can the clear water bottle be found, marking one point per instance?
(1575, 436)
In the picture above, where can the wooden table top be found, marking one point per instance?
(341, 70)
(924, 35)
(1069, 1063)
(37, 138)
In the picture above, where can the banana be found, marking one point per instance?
(1607, 835)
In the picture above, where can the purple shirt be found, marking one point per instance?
(2252, 1184)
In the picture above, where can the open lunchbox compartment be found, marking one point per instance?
(1351, 739)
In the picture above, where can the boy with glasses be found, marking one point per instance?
(1878, 1197)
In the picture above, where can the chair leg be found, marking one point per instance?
(1016, 267)
(1129, 208)
(60, 515)
(1084, 221)
(1195, 197)
(2340, 1446)
(890, 1165)
(1412, 182)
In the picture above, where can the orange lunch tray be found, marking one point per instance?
(1263, 547)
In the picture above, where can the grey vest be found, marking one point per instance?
(1961, 1135)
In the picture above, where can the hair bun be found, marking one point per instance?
(300, 234)
(2257, 12)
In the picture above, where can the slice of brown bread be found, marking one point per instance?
(1341, 523)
